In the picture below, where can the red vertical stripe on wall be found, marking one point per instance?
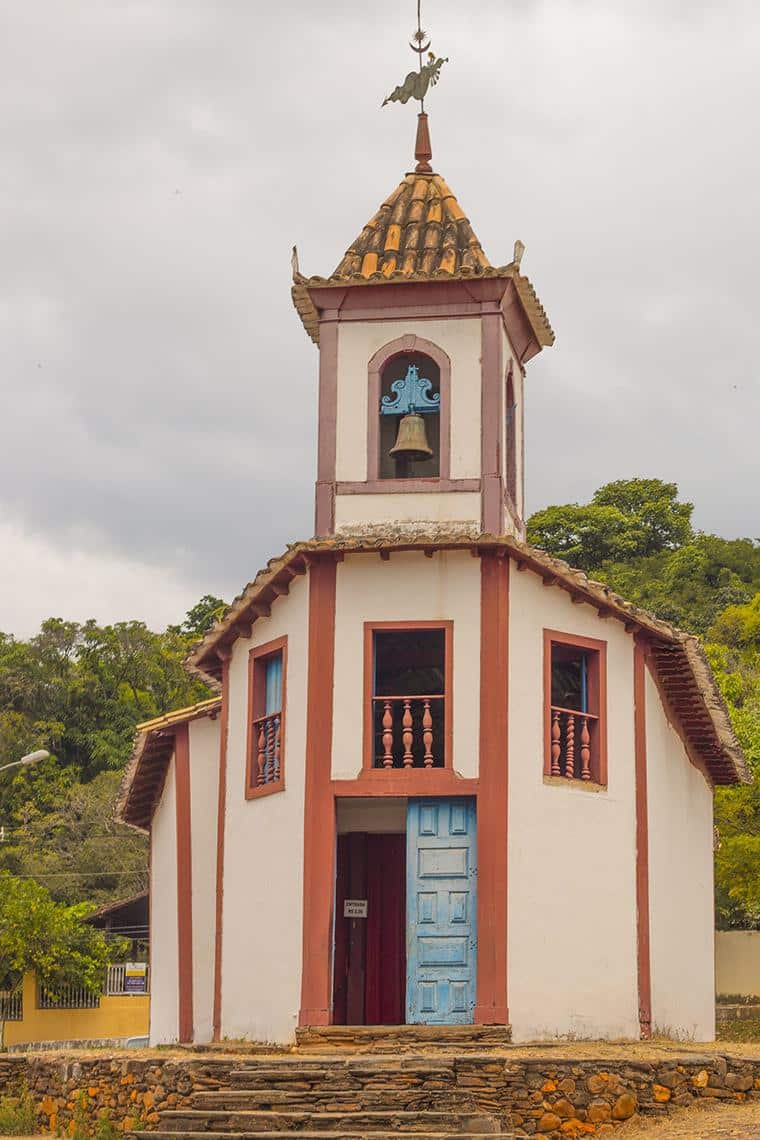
(220, 821)
(642, 841)
(491, 997)
(492, 417)
(319, 807)
(324, 522)
(184, 882)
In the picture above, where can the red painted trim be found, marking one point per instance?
(643, 955)
(319, 805)
(491, 1007)
(184, 883)
(406, 486)
(384, 355)
(220, 825)
(406, 295)
(448, 711)
(324, 522)
(256, 681)
(397, 783)
(597, 689)
(492, 420)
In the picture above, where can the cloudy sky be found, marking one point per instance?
(158, 160)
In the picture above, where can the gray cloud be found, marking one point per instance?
(160, 159)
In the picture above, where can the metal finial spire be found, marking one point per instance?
(417, 82)
(415, 86)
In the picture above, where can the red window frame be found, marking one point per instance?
(257, 658)
(370, 627)
(597, 688)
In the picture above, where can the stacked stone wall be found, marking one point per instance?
(543, 1095)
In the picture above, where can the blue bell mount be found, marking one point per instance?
(411, 396)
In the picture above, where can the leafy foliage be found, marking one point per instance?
(50, 938)
(79, 690)
(627, 519)
(636, 536)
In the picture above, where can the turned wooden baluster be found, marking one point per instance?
(387, 735)
(261, 755)
(276, 764)
(427, 734)
(556, 747)
(271, 745)
(585, 750)
(407, 735)
(570, 747)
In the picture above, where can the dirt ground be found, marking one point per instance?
(702, 1122)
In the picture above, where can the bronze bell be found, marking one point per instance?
(411, 441)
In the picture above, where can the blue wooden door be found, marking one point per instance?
(441, 910)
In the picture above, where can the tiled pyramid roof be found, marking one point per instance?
(419, 231)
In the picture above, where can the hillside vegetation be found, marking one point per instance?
(80, 689)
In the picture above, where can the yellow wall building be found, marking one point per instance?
(116, 1017)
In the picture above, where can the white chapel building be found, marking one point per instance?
(446, 779)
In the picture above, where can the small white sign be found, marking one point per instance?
(354, 908)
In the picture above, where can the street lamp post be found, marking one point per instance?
(30, 758)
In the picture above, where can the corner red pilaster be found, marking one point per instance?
(319, 805)
(643, 954)
(491, 1006)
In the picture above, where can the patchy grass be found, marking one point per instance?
(739, 1030)
(17, 1114)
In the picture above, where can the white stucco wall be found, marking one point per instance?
(409, 587)
(164, 999)
(435, 507)
(263, 884)
(204, 783)
(572, 896)
(358, 342)
(680, 883)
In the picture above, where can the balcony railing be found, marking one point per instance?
(266, 735)
(572, 743)
(409, 731)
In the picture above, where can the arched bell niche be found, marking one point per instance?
(409, 377)
(400, 379)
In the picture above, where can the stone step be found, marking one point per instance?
(397, 1038)
(306, 1135)
(187, 1121)
(387, 1096)
(349, 1072)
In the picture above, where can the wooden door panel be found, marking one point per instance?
(441, 911)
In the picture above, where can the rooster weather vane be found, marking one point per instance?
(416, 84)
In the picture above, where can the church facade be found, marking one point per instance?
(446, 779)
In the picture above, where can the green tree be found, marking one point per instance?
(585, 536)
(652, 508)
(49, 938)
(627, 519)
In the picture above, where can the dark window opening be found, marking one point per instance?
(575, 714)
(408, 698)
(406, 466)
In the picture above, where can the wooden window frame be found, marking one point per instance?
(255, 678)
(597, 679)
(448, 691)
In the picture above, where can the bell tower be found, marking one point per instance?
(422, 351)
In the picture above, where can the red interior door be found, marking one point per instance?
(370, 954)
(386, 930)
